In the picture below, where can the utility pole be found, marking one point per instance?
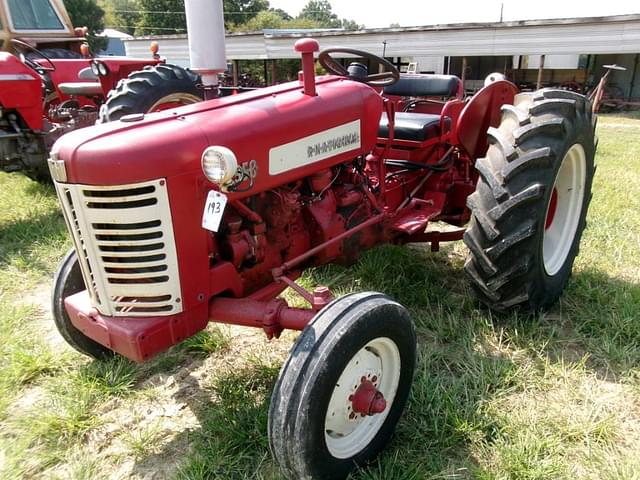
(501, 11)
(384, 51)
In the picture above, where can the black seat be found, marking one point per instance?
(414, 85)
(411, 126)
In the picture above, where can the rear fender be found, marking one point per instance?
(481, 112)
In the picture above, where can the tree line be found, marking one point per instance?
(165, 17)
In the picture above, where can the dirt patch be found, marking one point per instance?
(147, 436)
(40, 298)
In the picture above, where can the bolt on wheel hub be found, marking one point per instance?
(368, 400)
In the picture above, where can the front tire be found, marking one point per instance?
(67, 281)
(531, 201)
(359, 350)
(153, 89)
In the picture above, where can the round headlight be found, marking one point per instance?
(102, 69)
(219, 164)
(94, 69)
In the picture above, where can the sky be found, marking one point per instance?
(382, 13)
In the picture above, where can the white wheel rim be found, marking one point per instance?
(380, 360)
(564, 209)
(175, 100)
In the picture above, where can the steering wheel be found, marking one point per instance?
(389, 76)
(22, 46)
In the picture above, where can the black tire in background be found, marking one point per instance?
(301, 398)
(507, 266)
(67, 281)
(142, 91)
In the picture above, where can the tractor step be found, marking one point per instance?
(414, 220)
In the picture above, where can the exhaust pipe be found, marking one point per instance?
(205, 28)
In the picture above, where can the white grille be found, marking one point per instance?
(124, 237)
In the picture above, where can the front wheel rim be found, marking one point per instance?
(346, 433)
(564, 209)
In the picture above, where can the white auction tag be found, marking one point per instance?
(213, 210)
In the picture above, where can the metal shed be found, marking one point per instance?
(573, 48)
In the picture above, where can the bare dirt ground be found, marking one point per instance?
(158, 418)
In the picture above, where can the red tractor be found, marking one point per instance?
(208, 212)
(49, 88)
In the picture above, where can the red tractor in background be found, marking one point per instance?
(49, 86)
(209, 211)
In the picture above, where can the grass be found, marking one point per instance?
(555, 396)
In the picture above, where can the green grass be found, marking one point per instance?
(494, 397)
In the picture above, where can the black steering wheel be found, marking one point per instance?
(389, 76)
(23, 47)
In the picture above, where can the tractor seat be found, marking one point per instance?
(411, 126)
(83, 89)
(414, 85)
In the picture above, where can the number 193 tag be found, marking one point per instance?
(213, 210)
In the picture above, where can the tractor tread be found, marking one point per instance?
(532, 192)
(518, 115)
(140, 90)
(538, 158)
(487, 225)
(497, 138)
(551, 126)
(527, 229)
(507, 270)
(552, 105)
(480, 255)
(491, 179)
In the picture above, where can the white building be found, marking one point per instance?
(574, 49)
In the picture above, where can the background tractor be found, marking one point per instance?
(208, 212)
(49, 85)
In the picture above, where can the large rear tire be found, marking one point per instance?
(531, 201)
(343, 388)
(153, 89)
(67, 281)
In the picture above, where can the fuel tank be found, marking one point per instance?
(289, 135)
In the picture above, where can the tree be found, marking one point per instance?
(87, 13)
(237, 12)
(350, 24)
(282, 13)
(320, 11)
(161, 17)
(122, 15)
(263, 20)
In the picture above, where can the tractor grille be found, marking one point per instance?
(124, 239)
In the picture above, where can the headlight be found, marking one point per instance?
(219, 164)
(103, 69)
(94, 69)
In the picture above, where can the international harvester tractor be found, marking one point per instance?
(209, 211)
(49, 86)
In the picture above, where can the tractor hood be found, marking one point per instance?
(289, 135)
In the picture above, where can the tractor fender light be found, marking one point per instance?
(494, 77)
(94, 69)
(219, 164)
(103, 69)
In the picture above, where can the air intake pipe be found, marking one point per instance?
(205, 26)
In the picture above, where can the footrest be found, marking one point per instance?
(415, 219)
